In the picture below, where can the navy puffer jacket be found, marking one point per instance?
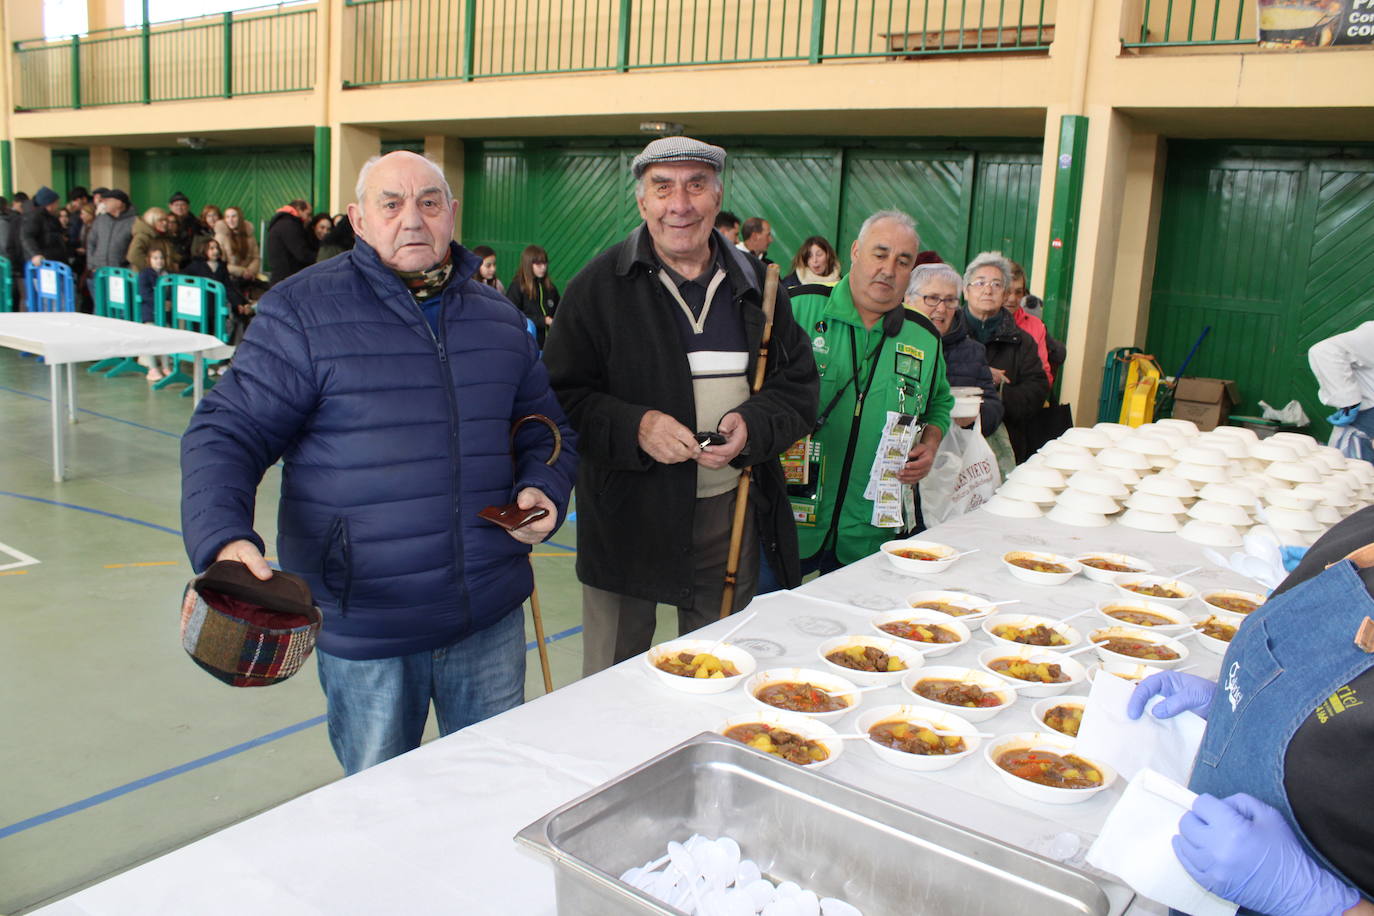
(966, 365)
(393, 439)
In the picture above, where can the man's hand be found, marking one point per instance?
(966, 422)
(666, 440)
(548, 320)
(921, 457)
(247, 553)
(999, 376)
(539, 529)
(36, 260)
(736, 433)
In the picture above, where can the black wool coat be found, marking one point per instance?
(1014, 352)
(613, 354)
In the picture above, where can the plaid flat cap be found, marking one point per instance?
(246, 632)
(678, 149)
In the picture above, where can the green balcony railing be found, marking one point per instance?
(247, 52)
(1191, 23)
(398, 41)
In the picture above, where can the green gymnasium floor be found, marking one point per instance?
(117, 747)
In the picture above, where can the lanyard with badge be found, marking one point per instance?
(894, 505)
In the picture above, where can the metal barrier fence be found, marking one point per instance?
(247, 52)
(398, 41)
(1189, 23)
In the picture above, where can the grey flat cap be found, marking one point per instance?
(678, 149)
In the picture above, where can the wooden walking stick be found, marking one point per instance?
(727, 598)
(511, 517)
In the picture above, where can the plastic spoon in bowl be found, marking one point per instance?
(1186, 572)
(731, 632)
(854, 736)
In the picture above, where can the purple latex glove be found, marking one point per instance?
(1181, 692)
(1243, 850)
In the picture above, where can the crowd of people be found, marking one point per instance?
(673, 374)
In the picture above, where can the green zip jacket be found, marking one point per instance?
(909, 377)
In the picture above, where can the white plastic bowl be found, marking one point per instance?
(1067, 665)
(1149, 521)
(978, 606)
(1201, 473)
(1163, 462)
(1304, 443)
(1167, 485)
(1117, 457)
(1124, 579)
(1230, 493)
(1240, 432)
(1070, 461)
(1142, 634)
(1211, 643)
(934, 618)
(1070, 636)
(1232, 447)
(1255, 483)
(897, 648)
(948, 557)
(1325, 493)
(1282, 498)
(989, 682)
(1088, 500)
(1187, 427)
(797, 724)
(1038, 476)
(1146, 445)
(1006, 507)
(1294, 519)
(1099, 482)
(1327, 515)
(1212, 534)
(1043, 706)
(743, 662)
(1028, 493)
(1153, 502)
(1177, 618)
(1041, 578)
(1066, 515)
(925, 716)
(1232, 514)
(1210, 597)
(1094, 440)
(1268, 450)
(1127, 476)
(833, 683)
(1055, 743)
(1294, 471)
(1115, 431)
(1107, 576)
(1203, 455)
(966, 408)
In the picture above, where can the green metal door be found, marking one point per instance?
(934, 187)
(1006, 198)
(796, 190)
(70, 168)
(1265, 246)
(258, 181)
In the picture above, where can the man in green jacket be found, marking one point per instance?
(885, 401)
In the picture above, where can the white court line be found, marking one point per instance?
(21, 558)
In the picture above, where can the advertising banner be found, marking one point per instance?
(1315, 23)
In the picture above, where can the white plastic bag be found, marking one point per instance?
(962, 477)
(1292, 414)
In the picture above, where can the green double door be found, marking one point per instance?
(1270, 248)
(575, 199)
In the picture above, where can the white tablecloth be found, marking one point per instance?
(75, 337)
(431, 832)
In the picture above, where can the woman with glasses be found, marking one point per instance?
(1012, 354)
(533, 292)
(934, 292)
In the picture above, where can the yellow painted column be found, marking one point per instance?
(110, 167)
(352, 146)
(448, 153)
(1142, 196)
(32, 165)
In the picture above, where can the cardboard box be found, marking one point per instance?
(1205, 401)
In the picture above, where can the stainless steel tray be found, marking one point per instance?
(800, 826)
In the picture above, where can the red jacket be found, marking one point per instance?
(1036, 329)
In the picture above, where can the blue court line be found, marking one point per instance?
(94, 413)
(570, 631)
(48, 816)
(122, 518)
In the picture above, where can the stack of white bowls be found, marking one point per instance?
(1208, 487)
(968, 402)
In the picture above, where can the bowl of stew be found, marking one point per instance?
(870, 660)
(1035, 672)
(1060, 714)
(975, 695)
(920, 558)
(807, 691)
(1104, 567)
(1233, 601)
(931, 632)
(1162, 589)
(1042, 766)
(682, 665)
(1041, 568)
(963, 605)
(1014, 630)
(1215, 631)
(796, 739)
(904, 736)
(1144, 613)
(1137, 644)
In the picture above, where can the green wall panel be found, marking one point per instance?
(1005, 201)
(930, 186)
(1267, 246)
(70, 168)
(258, 181)
(796, 191)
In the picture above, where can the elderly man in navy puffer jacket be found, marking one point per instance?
(388, 381)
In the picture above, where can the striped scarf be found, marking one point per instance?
(424, 284)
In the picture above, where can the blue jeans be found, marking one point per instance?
(377, 707)
(824, 562)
